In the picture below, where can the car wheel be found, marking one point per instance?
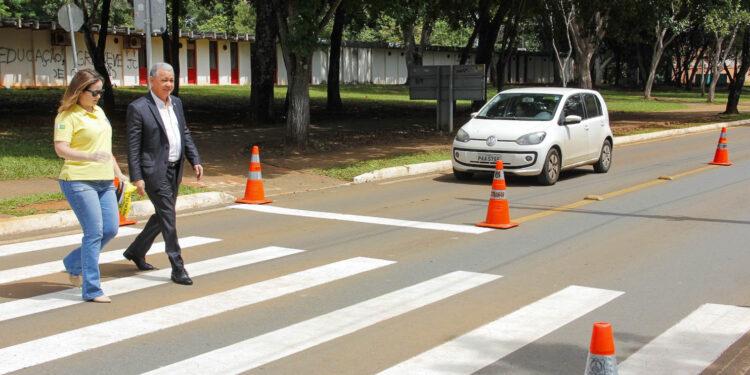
(551, 171)
(462, 175)
(605, 158)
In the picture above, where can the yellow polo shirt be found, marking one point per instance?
(88, 132)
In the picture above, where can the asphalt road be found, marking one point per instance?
(380, 283)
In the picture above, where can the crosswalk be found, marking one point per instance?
(688, 347)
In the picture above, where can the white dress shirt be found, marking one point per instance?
(169, 118)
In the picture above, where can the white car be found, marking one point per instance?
(536, 132)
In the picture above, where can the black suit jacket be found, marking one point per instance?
(148, 145)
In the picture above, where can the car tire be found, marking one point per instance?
(551, 171)
(605, 158)
(462, 176)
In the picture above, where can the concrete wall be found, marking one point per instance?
(28, 58)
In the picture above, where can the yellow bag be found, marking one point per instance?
(124, 192)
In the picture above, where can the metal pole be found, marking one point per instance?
(437, 96)
(72, 39)
(148, 40)
(450, 99)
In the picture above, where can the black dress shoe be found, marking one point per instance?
(181, 277)
(139, 262)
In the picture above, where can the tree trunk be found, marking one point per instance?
(263, 63)
(715, 70)
(487, 30)
(298, 115)
(334, 61)
(735, 89)
(467, 49)
(410, 47)
(652, 72)
(659, 46)
(585, 47)
(175, 21)
(97, 50)
(698, 62)
(718, 61)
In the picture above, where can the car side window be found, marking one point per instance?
(573, 106)
(593, 108)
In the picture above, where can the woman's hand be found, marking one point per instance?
(100, 156)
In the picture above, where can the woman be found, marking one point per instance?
(83, 137)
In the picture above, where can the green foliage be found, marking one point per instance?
(445, 35)
(724, 16)
(384, 29)
(244, 19)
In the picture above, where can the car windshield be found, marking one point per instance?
(521, 106)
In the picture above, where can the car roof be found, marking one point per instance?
(547, 90)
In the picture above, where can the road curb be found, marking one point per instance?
(404, 170)
(139, 209)
(445, 165)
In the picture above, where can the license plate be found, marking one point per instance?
(489, 158)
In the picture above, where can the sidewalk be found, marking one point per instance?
(281, 176)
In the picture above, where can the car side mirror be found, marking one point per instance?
(572, 119)
(474, 114)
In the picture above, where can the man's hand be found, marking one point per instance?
(141, 185)
(198, 171)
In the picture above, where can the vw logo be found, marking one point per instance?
(491, 140)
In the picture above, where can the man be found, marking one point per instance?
(158, 142)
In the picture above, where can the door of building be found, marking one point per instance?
(235, 63)
(142, 68)
(213, 60)
(192, 74)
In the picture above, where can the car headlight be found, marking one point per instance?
(531, 138)
(462, 135)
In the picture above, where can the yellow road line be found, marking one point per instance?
(584, 202)
(553, 211)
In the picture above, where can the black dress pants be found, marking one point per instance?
(164, 198)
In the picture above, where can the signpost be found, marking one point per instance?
(149, 16)
(70, 17)
(446, 84)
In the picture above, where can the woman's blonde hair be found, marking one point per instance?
(81, 81)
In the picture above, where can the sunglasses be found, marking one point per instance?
(96, 92)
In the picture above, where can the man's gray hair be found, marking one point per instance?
(160, 66)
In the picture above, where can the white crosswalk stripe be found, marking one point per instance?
(71, 297)
(21, 273)
(49, 243)
(487, 344)
(688, 347)
(257, 351)
(364, 219)
(91, 337)
(692, 344)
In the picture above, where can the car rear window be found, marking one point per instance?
(521, 106)
(593, 107)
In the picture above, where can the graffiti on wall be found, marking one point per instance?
(54, 58)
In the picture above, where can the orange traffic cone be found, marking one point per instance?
(498, 215)
(123, 219)
(601, 359)
(254, 186)
(722, 152)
